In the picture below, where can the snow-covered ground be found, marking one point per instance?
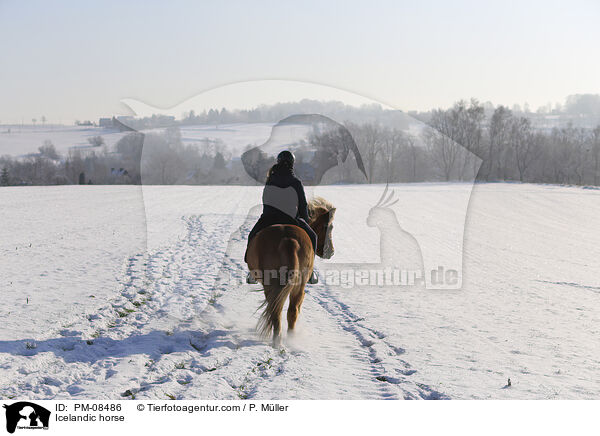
(19, 141)
(113, 292)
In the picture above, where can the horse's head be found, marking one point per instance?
(381, 214)
(320, 214)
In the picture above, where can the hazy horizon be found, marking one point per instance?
(199, 109)
(69, 61)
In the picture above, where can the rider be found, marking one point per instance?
(284, 202)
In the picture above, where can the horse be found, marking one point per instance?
(281, 258)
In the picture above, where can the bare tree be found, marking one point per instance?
(96, 141)
(413, 153)
(580, 154)
(48, 150)
(497, 155)
(595, 148)
(443, 150)
(373, 141)
(526, 145)
(469, 134)
(393, 140)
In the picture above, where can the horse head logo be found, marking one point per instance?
(319, 143)
(27, 415)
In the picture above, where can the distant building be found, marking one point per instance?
(117, 123)
(125, 119)
(105, 122)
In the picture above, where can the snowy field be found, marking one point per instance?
(19, 141)
(119, 292)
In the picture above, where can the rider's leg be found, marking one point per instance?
(257, 228)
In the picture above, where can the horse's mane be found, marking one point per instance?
(317, 203)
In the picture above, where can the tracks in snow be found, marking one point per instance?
(382, 357)
(181, 328)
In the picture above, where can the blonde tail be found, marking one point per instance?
(271, 316)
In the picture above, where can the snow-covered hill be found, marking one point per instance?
(22, 140)
(121, 292)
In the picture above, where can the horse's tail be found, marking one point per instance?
(271, 316)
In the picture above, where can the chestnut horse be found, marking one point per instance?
(281, 258)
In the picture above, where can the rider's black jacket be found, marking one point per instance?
(272, 215)
(284, 179)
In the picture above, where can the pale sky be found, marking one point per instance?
(72, 60)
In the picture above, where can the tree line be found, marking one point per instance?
(156, 158)
(463, 143)
(466, 142)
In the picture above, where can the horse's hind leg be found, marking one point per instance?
(294, 309)
(277, 331)
(273, 314)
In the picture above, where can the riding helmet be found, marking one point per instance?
(286, 157)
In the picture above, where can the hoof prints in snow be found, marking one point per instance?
(179, 329)
(382, 356)
(156, 338)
